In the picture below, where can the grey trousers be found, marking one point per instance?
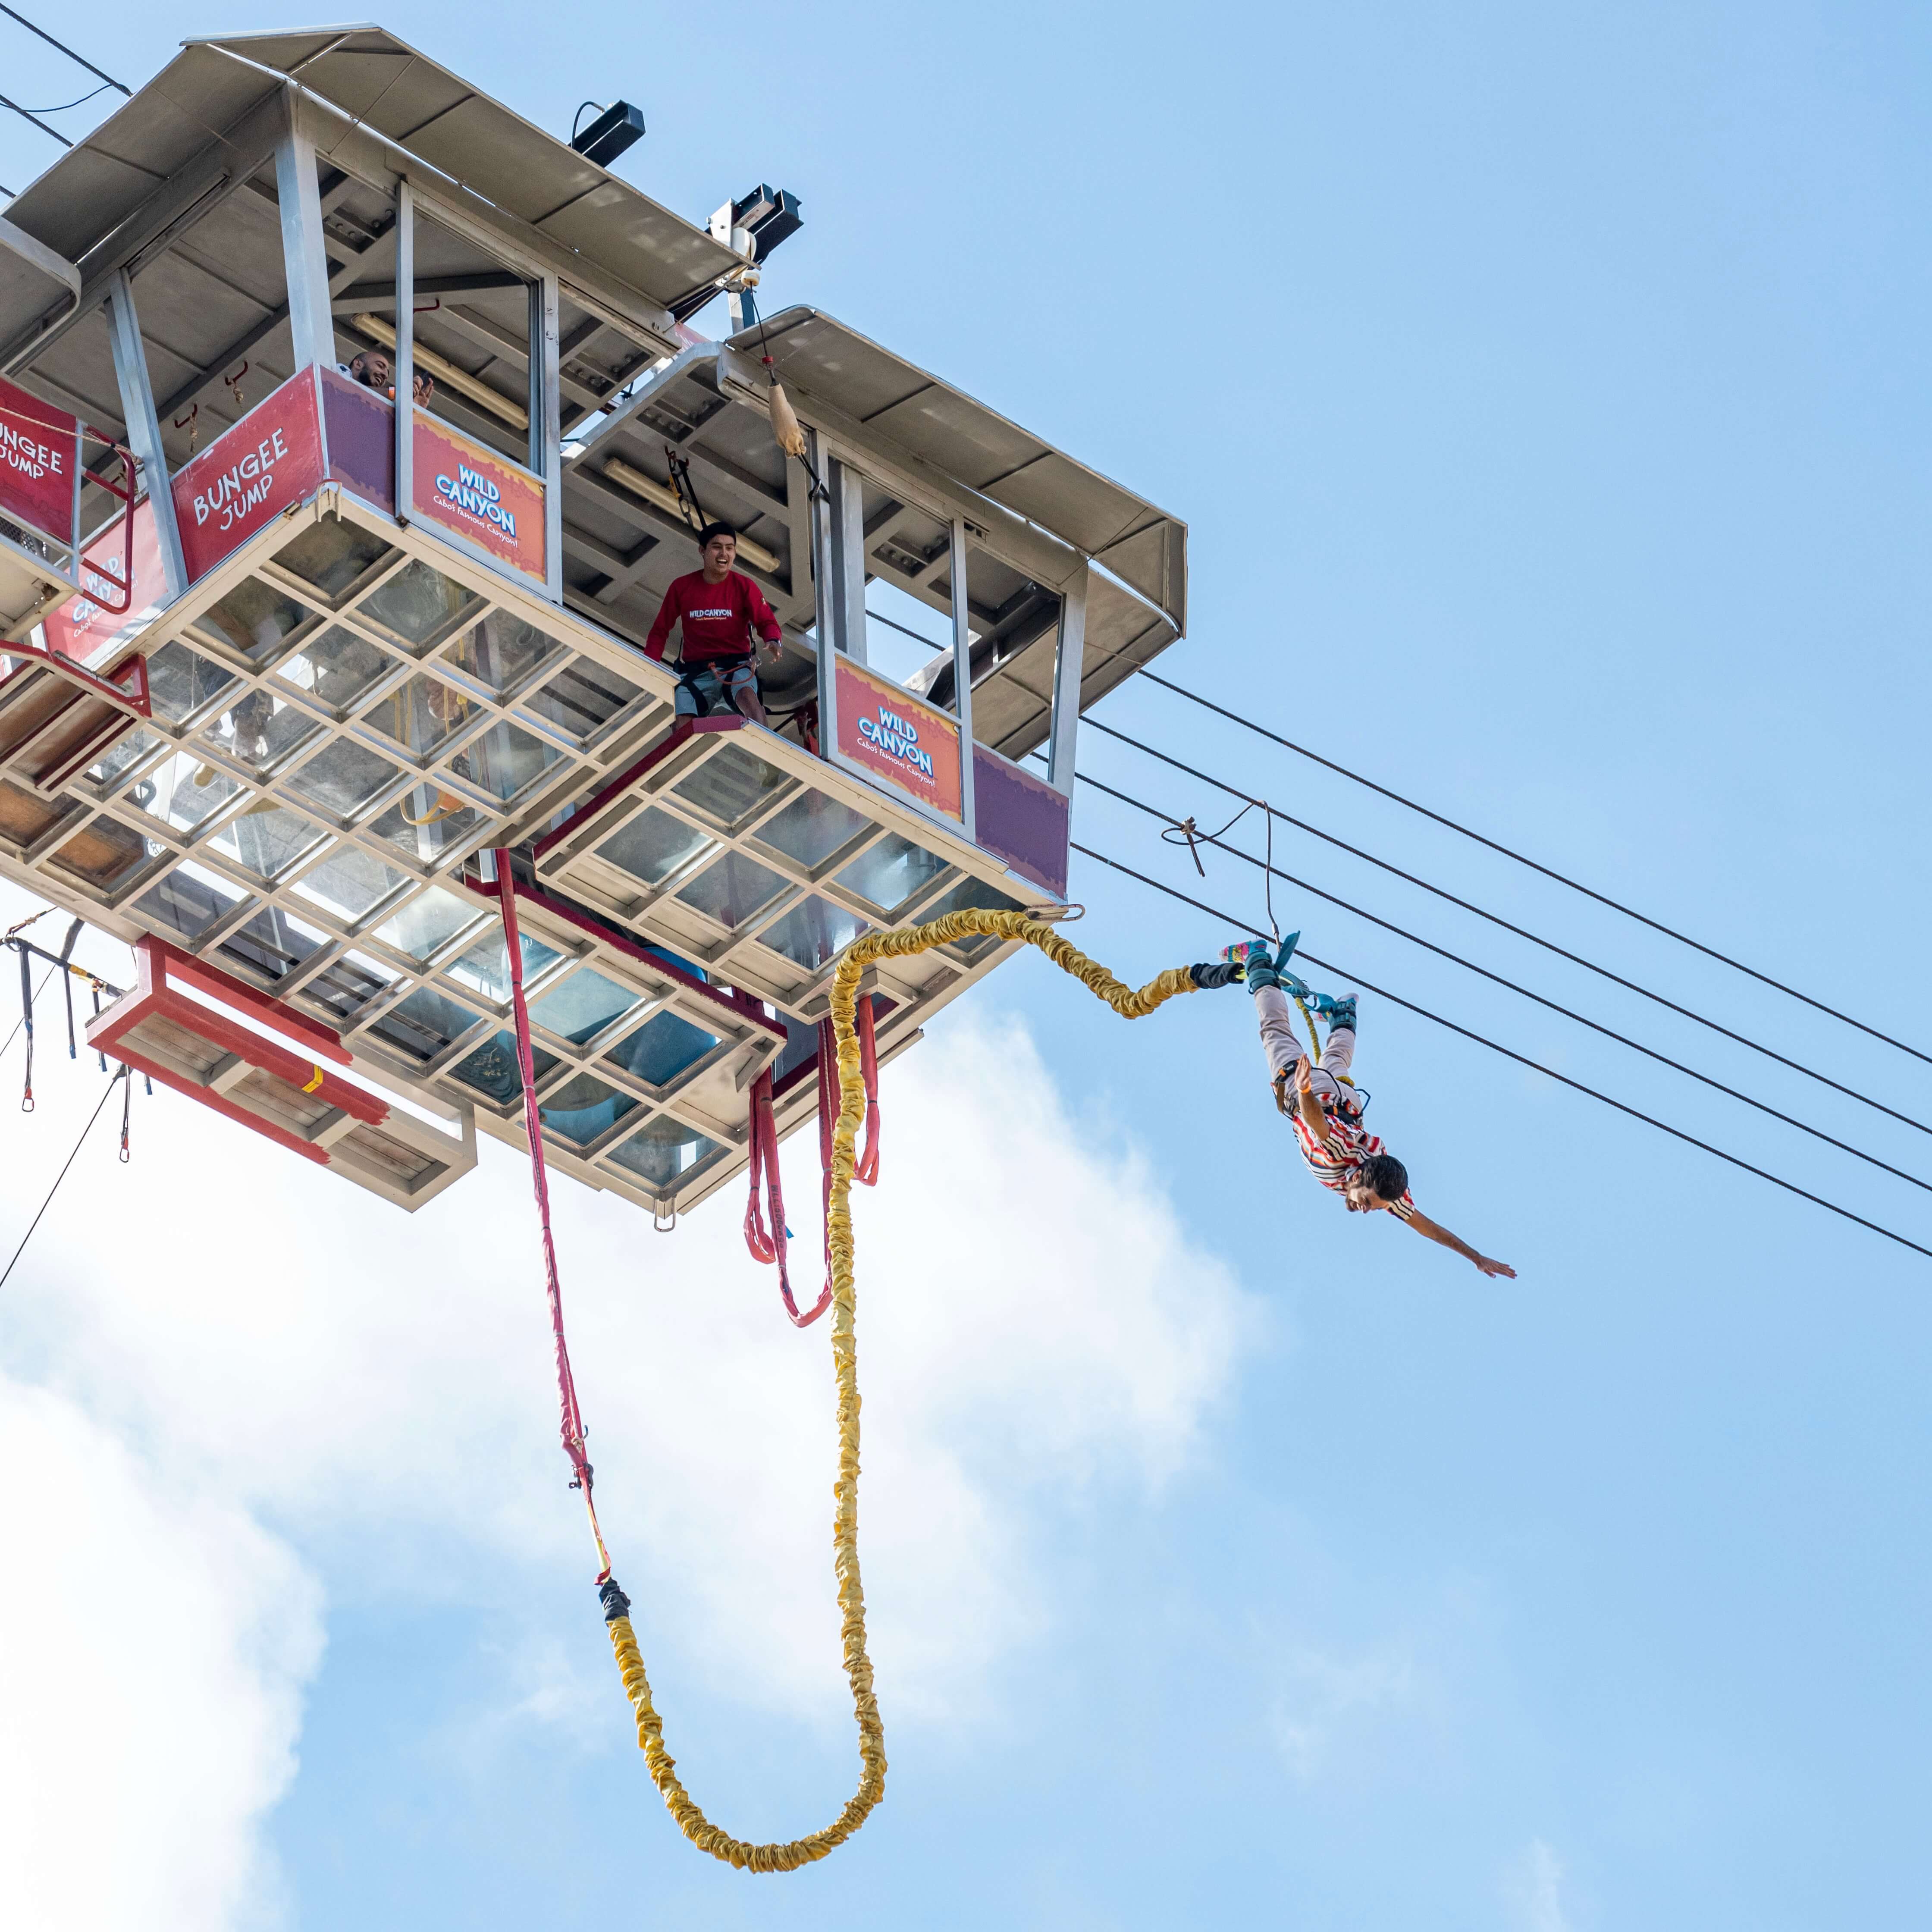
(1285, 1043)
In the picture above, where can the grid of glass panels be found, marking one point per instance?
(332, 735)
(336, 731)
(750, 868)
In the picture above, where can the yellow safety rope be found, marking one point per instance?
(1130, 1004)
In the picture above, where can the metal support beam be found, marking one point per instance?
(825, 576)
(546, 423)
(304, 254)
(848, 580)
(144, 429)
(405, 232)
(962, 672)
(1067, 653)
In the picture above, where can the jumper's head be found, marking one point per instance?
(1381, 1181)
(719, 543)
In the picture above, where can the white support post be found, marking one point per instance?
(405, 350)
(848, 560)
(144, 430)
(304, 259)
(824, 619)
(1067, 652)
(546, 425)
(962, 671)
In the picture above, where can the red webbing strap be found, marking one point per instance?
(770, 1246)
(761, 1244)
(572, 1423)
(867, 1171)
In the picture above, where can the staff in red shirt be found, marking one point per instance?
(718, 609)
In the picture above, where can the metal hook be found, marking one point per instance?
(658, 1224)
(234, 383)
(187, 422)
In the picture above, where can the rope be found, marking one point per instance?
(61, 1176)
(1130, 1003)
(572, 1429)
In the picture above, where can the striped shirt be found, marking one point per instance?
(1349, 1144)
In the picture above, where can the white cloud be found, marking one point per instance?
(153, 1649)
(1035, 1332)
(1533, 1889)
(1331, 1710)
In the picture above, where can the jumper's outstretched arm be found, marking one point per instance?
(1435, 1231)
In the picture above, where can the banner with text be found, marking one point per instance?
(81, 629)
(890, 734)
(40, 448)
(479, 496)
(249, 475)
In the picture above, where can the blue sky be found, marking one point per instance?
(1543, 390)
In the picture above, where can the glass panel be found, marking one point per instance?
(663, 1150)
(350, 883)
(346, 986)
(181, 683)
(501, 652)
(188, 901)
(104, 854)
(653, 845)
(428, 922)
(486, 966)
(254, 619)
(271, 942)
(260, 731)
(336, 668)
(583, 1109)
(583, 699)
(425, 1023)
(503, 760)
(664, 1046)
(183, 792)
(417, 603)
(129, 750)
(811, 828)
(342, 778)
(422, 715)
(425, 823)
(331, 555)
(733, 889)
(888, 874)
(814, 933)
(583, 1007)
(268, 838)
(971, 892)
(492, 1068)
(731, 784)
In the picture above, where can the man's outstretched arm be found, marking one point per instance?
(1442, 1237)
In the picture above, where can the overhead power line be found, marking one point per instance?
(1509, 852)
(1509, 1053)
(1510, 986)
(27, 114)
(79, 60)
(1495, 919)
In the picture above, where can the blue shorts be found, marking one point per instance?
(715, 685)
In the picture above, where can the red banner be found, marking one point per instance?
(79, 628)
(249, 475)
(474, 492)
(38, 448)
(892, 736)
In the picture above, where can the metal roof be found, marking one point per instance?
(817, 357)
(384, 86)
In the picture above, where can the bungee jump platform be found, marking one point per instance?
(287, 664)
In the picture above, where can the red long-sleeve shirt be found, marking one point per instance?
(718, 619)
